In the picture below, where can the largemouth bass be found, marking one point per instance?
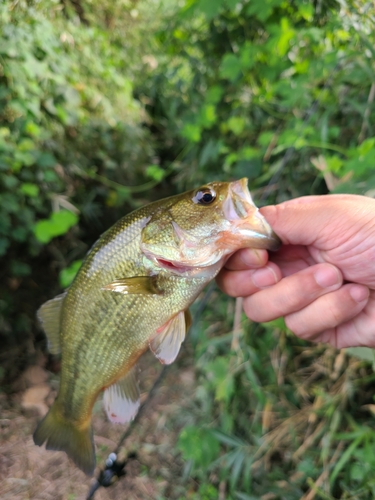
(132, 293)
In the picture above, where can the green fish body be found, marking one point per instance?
(132, 293)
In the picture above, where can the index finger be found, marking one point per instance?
(247, 258)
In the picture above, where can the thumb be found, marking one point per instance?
(316, 220)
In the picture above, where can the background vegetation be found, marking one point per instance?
(101, 102)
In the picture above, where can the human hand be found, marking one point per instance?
(322, 280)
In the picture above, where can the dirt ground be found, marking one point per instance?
(30, 472)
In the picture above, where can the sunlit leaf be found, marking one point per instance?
(59, 223)
(68, 274)
(30, 189)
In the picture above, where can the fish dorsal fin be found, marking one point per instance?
(121, 400)
(144, 285)
(168, 339)
(49, 315)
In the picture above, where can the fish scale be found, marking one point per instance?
(133, 291)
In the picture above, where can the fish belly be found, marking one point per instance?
(105, 338)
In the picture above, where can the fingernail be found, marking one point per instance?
(264, 277)
(359, 293)
(327, 276)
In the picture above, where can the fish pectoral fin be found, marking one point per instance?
(121, 400)
(167, 341)
(49, 315)
(144, 285)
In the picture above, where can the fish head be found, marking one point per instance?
(200, 228)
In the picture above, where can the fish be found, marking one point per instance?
(133, 293)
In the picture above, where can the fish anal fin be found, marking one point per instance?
(167, 341)
(62, 435)
(121, 399)
(49, 315)
(143, 285)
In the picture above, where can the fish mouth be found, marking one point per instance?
(194, 271)
(173, 266)
(240, 211)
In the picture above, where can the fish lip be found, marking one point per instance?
(274, 242)
(242, 213)
(238, 203)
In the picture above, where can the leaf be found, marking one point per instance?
(192, 132)
(214, 94)
(207, 115)
(209, 152)
(228, 440)
(68, 274)
(222, 379)
(237, 466)
(155, 172)
(198, 444)
(364, 353)
(345, 457)
(236, 124)
(30, 189)
(230, 67)
(59, 223)
(209, 8)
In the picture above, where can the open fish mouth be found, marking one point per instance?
(247, 221)
(173, 266)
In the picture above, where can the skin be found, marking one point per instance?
(322, 280)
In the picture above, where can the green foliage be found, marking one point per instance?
(64, 100)
(268, 76)
(68, 274)
(198, 445)
(292, 412)
(73, 149)
(59, 223)
(282, 93)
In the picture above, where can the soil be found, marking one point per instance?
(30, 472)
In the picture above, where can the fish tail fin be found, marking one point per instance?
(62, 435)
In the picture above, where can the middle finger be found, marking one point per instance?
(293, 293)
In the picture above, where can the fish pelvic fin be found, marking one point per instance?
(62, 435)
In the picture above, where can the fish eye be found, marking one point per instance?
(204, 196)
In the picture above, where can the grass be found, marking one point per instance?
(292, 420)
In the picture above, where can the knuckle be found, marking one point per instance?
(300, 292)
